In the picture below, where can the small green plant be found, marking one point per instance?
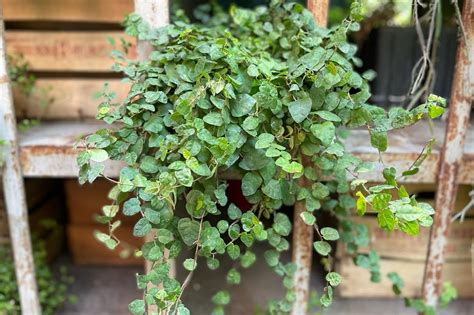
(52, 288)
(264, 93)
(24, 82)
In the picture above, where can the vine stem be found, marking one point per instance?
(190, 274)
(303, 233)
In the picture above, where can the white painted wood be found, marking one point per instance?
(156, 14)
(47, 151)
(14, 192)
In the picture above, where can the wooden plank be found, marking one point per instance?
(14, 190)
(108, 11)
(87, 250)
(66, 51)
(398, 245)
(84, 202)
(356, 281)
(77, 103)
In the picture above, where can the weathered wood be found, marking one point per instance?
(451, 156)
(84, 202)
(71, 51)
(86, 250)
(356, 281)
(108, 11)
(46, 151)
(156, 14)
(14, 191)
(302, 243)
(398, 245)
(67, 98)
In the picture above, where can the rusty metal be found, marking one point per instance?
(451, 157)
(302, 233)
(14, 192)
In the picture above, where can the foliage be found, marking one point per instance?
(264, 93)
(52, 288)
(24, 82)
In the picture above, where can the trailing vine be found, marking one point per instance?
(265, 94)
(52, 286)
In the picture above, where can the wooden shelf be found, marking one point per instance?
(47, 150)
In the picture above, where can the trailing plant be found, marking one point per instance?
(52, 288)
(269, 96)
(24, 82)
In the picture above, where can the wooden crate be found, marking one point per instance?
(44, 204)
(406, 254)
(87, 250)
(356, 281)
(65, 51)
(398, 245)
(78, 102)
(85, 202)
(70, 59)
(108, 11)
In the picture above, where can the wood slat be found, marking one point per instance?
(356, 281)
(71, 98)
(87, 250)
(66, 51)
(46, 150)
(398, 245)
(108, 11)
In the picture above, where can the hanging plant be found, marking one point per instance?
(269, 96)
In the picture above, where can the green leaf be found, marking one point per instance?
(164, 236)
(234, 212)
(149, 164)
(233, 251)
(110, 211)
(397, 282)
(272, 189)
(410, 228)
(282, 224)
(361, 204)
(189, 264)
(247, 259)
(323, 248)
(380, 201)
(319, 190)
(333, 278)
(214, 119)
(233, 276)
(264, 140)
(272, 257)
(243, 105)
(98, 155)
(250, 183)
(141, 228)
(386, 220)
(252, 71)
(435, 111)
(221, 298)
(195, 204)
(131, 206)
(300, 109)
(198, 168)
(308, 217)
(184, 177)
(329, 234)
(326, 115)
(379, 140)
(137, 307)
(212, 263)
(324, 132)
